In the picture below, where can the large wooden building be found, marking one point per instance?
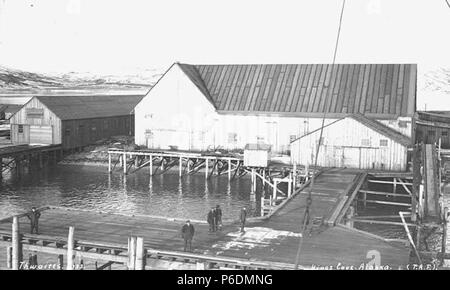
(73, 121)
(210, 107)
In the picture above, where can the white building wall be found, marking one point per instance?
(343, 146)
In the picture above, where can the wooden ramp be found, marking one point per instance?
(324, 244)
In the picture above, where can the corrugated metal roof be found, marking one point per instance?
(92, 106)
(376, 90)
(374, 125)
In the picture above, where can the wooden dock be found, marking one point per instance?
(270, 242)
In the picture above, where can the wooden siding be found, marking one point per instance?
(379, 90)
(48, 119)
(348, 143)
(78, 133)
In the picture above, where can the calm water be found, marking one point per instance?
(90, 187)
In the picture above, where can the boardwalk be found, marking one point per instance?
(275, 239)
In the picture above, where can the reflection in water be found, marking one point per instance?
(93, 188)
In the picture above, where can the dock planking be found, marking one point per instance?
(274, 239)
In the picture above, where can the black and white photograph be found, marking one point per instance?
(248, 135)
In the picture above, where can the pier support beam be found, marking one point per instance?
(109, 163)
(70, 252)
(124, 163)
(132, 253)
(180, 167)
(9, 257)
(206, 168)
(229, 169)
(16, 248)
(151, 165)
(140, 254)
(60, 262)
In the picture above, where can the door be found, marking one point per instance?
(41, 134)
(351, 157)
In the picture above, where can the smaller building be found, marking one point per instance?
(354, 141)
(257, 155)
(432, 126)
(73, 121)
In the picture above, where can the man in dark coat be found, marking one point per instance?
(34, 216)
(211, 218)
(187, 232)
(218, 213)
(242, 218)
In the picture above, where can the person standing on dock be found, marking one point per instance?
(187, 232)
(211, 218)
(34, 216)
(243, 218)
(218, 214)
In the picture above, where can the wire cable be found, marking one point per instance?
(307, 217)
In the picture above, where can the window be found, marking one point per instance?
(34, 113)
(444, 133)
(232, 137)
(67, 132)
(365, 142)
(20, 129)
(402, 124)
(383, 142)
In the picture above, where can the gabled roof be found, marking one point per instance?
(374, 125)
(376, 90)
(90, 106)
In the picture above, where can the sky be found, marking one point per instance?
(117, 36)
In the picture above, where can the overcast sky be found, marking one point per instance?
(107, 36)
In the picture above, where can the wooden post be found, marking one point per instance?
(444, 234)
(180, 165)
(16, 249)
(290, 185)
(61, 262)
(274, 194)
(262, 204)
(131, 253)
(294, 175)
(109, 162)
(151, 165)
(410, 237)
(9, 257)
(136, 161)
(70, 252)
(124, 163)
(140, 254)
(206, 168)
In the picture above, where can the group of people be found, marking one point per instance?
(214, 219)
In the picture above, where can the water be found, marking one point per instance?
(92, 188)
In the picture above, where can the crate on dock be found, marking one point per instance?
(256, 155)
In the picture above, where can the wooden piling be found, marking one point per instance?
(60, 262)
(151, 165)
(290, 185)
(124, 163)
(16, 249)
(180, 167)
(206, 168)
(109, 162)
(444, 235)
(70, 247)
(131, 253)
(9, 257)
(140, 254)
(229, 169)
